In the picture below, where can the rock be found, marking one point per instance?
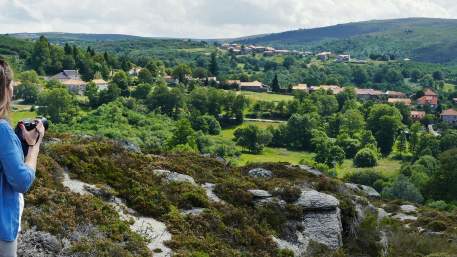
(313, 200)
(209, 188)
(129, 146)
(38, 244)
(324, 227)
(193, 212)
(404, 217)
(382, 214)
(171, 176)
(260, 193)
(408, 208)
(370, 192)
(260, 173)
(311, 170)
(299, 247)
(105, 192)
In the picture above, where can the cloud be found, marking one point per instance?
(204, 18)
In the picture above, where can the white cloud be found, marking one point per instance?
(204, 18)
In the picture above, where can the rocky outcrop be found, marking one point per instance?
(260, 194)
(368, 191)
(209, 188)
(170, 176)
(321, 223)
(38, 244)
(260, 173)
(153, 230)
(311, 170)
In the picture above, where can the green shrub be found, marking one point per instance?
(403, 189)
(365, 158)
(437, 226)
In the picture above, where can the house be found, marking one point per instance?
(405, 101)
(324, 56)
(454, 100)
(170, 80)
(255, 86)
(449, 116)
(368, 94)
(232, 82)
(395, 94)
(417, 115)
(333, 88)
(343, 58)
(66, 75)
(300, 88)
(430, 98)
(135, 71)
(75, 86)
(101, 84)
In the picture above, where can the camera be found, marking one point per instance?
(29, 125)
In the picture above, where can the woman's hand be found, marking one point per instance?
(34, 136)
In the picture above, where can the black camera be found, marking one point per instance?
(29, 125)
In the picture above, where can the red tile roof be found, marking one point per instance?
(449, 112)
(428, 99)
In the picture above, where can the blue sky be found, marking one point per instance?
(204, 18)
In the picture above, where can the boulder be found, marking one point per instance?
(260, 194)
(193, 212)
(408, 208)
(260, 173)
(209, 188)
(404, 217)
(313, 200)
(311, 170)
(369, 191)
(38, 244)
(171, 176)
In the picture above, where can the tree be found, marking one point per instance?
(121, 80)
(288, 62)
(252, 138)
(415, 76)
(181, 72)
(448, 140)
(443, 182)
(166, 101)
(145, 76)
(438, 75)
(41, 55)
(299, 129)
(275, 84)
(183, 135)
(142, 91)
(365, 158)
(92, 93)
(28, 92)
(213, 65)
(384, 121)
(58, 105)
(330, 154)
(360, 75)
(403, 189)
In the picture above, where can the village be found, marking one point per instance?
(73, 81)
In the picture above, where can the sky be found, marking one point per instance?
(204, 19)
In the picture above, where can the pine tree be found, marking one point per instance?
(275, 84)
(213, 66)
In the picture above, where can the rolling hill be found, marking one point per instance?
(422, 39)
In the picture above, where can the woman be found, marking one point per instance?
(16, 174)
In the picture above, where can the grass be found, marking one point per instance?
(387, 167)
(256, 96)
(275, 155)
(448, 88)
(17, 116)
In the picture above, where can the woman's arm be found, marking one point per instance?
(18, 175)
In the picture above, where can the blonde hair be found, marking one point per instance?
(6, 94)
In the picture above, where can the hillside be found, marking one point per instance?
(422, 39)
(189, 205)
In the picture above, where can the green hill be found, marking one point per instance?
(422, 39)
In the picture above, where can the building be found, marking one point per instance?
(135, 71)
(101, 84)
(300, 88)
(75, 86)
(232, 82)
(324, 56)
(170, 80)
(417, 115)
(368, 94)
(333, 88)
(430, 98)
(395, 94)
(449, 116)
(405, 101)
(66, 75)
(343, 58)
(454, 100)
(255, 86)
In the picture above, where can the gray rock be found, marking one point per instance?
(408, 208)
(370, 192)
(129, 146)
(260, 173)
(171, 176)
(38, 244)
(404, 217)
(209, 188)
(324, 228)
(260, 193)
(313, 200)
(311, 170)
(193, 212)
(382, 214)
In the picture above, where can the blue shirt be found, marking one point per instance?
(15, 178)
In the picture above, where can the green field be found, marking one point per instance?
(16, 116)
(275, 155)
(255, 96)
(387, 167)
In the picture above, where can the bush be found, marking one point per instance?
(365, 158)
(403, 189)
(367, 178)
(440, 205)
(437, 226)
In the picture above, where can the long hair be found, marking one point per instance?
(6, 94)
